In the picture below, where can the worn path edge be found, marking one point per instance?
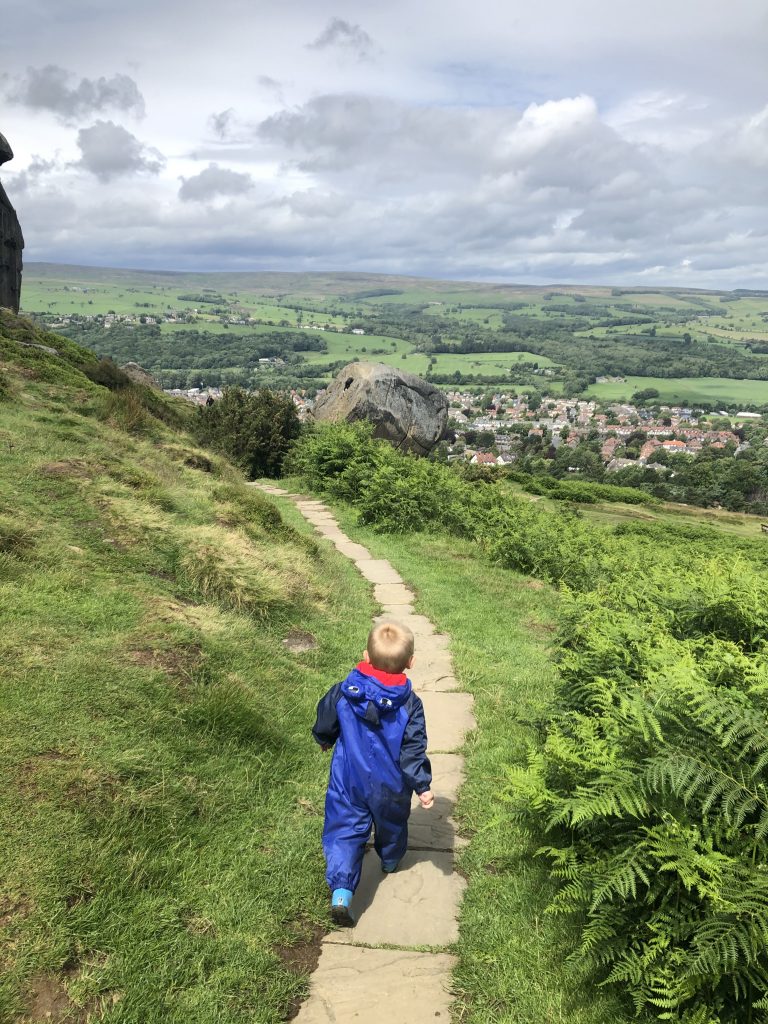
(356, 979)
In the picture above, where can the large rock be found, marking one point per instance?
(11, 243)
(138, 375)
(405, 410)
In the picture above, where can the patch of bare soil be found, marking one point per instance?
(179, 662)
(47, 1000)
(301, 956)
(13, 909)
(534, 584)
(298, 641)
(29, 770)
(92, 787)
(78, 468)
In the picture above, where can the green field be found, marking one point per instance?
(398, 313)
(687, 390)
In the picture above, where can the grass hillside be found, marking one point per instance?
(159, 854)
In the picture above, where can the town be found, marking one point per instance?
(490, 429)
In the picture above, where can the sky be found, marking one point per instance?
(599, 142)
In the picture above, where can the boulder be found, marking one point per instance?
(11, 243)
(405, 410)
(138, 375)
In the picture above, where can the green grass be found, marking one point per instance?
(687, 390)
(511, 952)
(161, 808)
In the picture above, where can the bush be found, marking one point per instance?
(254, 430)
(125, 410)
(107, 373)
(652, 785)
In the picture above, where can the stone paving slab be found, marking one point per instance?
(393, 593)
(419, 625)
(354, 551)
(432, 673)
(320, 518)
(378, 570)
(416, 906)
(435, 828)
(435, 684)
(333, 533)
(378, 986)
(449, 717)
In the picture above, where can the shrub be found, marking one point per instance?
(652, 785)
(254, 430)
(107, 373)
(125, 410)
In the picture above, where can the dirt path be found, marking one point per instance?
(356, 980)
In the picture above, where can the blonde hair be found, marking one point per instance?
(390, 646)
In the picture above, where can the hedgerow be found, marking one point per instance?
(650, 782)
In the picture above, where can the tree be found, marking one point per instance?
(255, 429)
(534, 401)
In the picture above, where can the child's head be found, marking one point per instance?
(390, 647)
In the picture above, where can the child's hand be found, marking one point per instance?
(426, 799)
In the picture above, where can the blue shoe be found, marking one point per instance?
(340, 915)
(389, 866)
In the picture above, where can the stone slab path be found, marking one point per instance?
(356, 980)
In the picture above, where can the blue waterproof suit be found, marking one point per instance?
(380, 759)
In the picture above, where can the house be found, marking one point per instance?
(609, 447)
(485, 459)
(616, 464)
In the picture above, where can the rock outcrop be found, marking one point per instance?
(11, 243)
(139, 375)
(405, 410)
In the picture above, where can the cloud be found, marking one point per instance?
(214, 181)
(557, 144)
(110, 151)
(271, 85)
(344, 36)
(221, 123)
(50, 88)
(29, 177)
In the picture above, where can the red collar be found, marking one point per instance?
(387, 678)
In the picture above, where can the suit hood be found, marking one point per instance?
(370, 699)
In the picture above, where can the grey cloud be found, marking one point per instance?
(110, 151)
(271, 85)
(560, 144)
(221, 123)
(345, 36)
(214, 181)
(38, 168)
(52, 88)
